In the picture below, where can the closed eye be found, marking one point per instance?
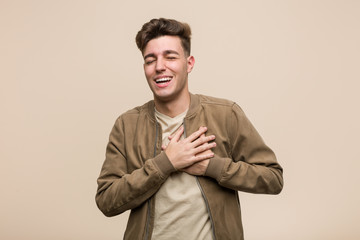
(150, 61)
(171, 57)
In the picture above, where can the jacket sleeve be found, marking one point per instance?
(118, 189)
(252, 166)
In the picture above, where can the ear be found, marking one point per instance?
(190, 63)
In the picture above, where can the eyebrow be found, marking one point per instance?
(149, 55)
(166, 52)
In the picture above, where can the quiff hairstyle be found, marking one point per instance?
(161, 27)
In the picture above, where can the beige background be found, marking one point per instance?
(68, 68)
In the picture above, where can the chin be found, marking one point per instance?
(162, 94)
(163, 98)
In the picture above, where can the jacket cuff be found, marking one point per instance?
(215, 167)
(164, 165)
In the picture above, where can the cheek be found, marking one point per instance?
(148, 72)
(175, 67)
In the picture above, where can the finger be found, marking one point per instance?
(203, 139)
(196, 142)
(204, 156)
(204, 147)
(177, 134)
(196, 134)
(173, 134)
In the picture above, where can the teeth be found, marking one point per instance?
(161, 80)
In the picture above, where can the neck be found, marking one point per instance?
(174, 107)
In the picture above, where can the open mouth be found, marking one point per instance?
(163, 81)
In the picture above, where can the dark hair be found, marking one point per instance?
(161, 27)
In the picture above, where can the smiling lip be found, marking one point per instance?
(163, 81)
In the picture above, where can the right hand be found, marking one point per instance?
(186, 152)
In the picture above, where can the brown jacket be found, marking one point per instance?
(135, 167)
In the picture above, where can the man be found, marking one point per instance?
(178, 161)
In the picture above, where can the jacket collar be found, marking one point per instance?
(194, 105)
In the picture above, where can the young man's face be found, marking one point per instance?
(166, 68)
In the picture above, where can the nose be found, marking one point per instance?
(160, 65)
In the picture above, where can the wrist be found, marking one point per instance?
(164, 165)
(214, 169)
